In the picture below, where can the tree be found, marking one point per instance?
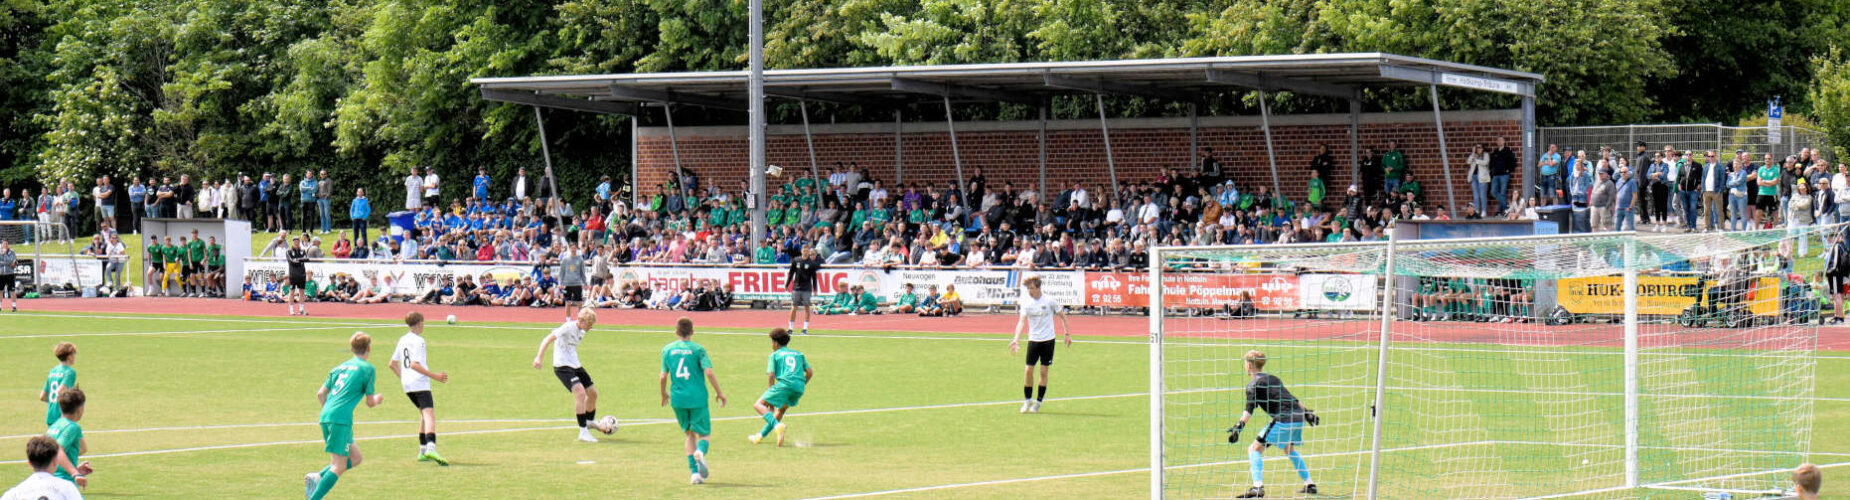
(1830, 97)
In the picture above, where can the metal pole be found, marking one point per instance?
(1528, 148)
(1043, 143)
(803, 106)
(675, 146)
(1265, 123)
(635, 161)
(1111, 164)
(1156, 374)
(1388, 310)
(957, 159)
(1631, 361)
(1355, 139)
(1194, 136)
(1631, 137)
(899, 148)
(755, 87)
(1445, 162)
(546, 152)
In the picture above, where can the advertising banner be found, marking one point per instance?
(1270, 292)
(1657, 295)
(55, 271)
(1338, 292)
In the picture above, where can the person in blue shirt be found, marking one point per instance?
(481, 183)
(358, 212)
(603, 190)
(1628, 194)
(305, 193)
(7, 204)
(137, 201)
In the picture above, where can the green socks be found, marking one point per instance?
(691, 467)
(328, 478)
(702, 446)
(770, 423)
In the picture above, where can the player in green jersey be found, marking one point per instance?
(347, 385)
(685, 362)
(790, 373)
(62, 376)
(195, 255)
(70, 438)
(156, 260)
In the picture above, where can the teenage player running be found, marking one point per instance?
(347, 385)
(790, 373)
(63, 376)
(1286, 431)
(1037, 314)
(686, 363)
(70, 438)
(801, 280)
(564, 341)
(414, 375)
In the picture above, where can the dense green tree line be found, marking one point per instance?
(371, 88)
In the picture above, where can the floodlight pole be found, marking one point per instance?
(1104, 128)
(957, 159)
(755, 84)
(1445, 163)
(803, 106)
(1630, 283)
(1265, 122)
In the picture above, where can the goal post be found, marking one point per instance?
(1560, 366)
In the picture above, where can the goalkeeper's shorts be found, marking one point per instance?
(1283, 433)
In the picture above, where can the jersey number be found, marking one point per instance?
(790, 363)
(56, 388)
(680, 370)
(340, 382)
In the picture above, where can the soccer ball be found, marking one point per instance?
(607, 424)
(451, 319)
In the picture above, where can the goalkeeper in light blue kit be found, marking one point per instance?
(789, 372)
(1286, 431)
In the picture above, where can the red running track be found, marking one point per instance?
(1830, 338)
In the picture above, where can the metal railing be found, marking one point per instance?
(1690, 136)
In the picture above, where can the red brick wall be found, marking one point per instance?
(1078, 155)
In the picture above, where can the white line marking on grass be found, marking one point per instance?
(638, 421)
(177, 332)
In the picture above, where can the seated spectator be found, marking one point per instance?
(443, 293)
(951, 302)
(843, 303)
(907, 304)
(928, 304)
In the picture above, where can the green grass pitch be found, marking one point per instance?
(223, 407)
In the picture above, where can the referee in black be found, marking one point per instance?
(1286, 431)
(298, 276)
(801, 281)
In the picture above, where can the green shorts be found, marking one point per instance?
(339, 438)
(780, 396)
(694, 420)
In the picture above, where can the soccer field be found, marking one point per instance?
(223, 407)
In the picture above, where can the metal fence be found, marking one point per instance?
(1694, 136)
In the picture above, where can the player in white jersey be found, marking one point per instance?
(410, 363)
(1037, 313)
(564, 341)
(43, 454)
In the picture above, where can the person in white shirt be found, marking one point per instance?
(1038, 311)
(414, 191)
(44, 455)
(116, 273)
(412, 366)
(430, 187)
(564, 342)
(520, 185)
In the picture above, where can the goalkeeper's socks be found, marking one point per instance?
(1303, 470)
(1256, 462)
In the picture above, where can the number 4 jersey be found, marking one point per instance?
(686, 364)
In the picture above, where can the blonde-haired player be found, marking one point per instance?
(412, 366)
(564, 342)
(346, 386)
(1266, 392)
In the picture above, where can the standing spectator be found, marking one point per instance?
(1370, 168)
(432, 188)
(164, 199)
(1799, 214)
(1547, 169)
(137, 204)
(1766, 178)
(1477, 174)
(1737, 194)
(1393, 166)
(1714, 187)
(520, 185)
(1647, 185)
(306, 190)
(414, 190)
(250, 199)
(1313, 193)
(1840, 192)
(481, 183)
(184, 194)
(104, 195)
(358, 213)
(323, 191)
(1323, 164)
(1601, 201)
(603, 190)
(1689, 189)
(284, 188)
(1657, 178)
(1625, 201)
(266, 192)
(1502, 164)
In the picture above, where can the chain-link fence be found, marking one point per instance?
(1695, 136)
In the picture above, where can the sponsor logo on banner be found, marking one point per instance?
(1657, 295)
(87, 271)
(1351, 292)
(1272, 292)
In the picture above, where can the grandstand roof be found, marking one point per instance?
(1333, 75)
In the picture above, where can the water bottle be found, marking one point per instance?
(1717, 495)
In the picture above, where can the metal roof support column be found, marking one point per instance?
(675, 146)
(1355, 141)
(1104, 128)
(1265, 122)
(957, 159)
(1194, 137)
(899, 147)
(1445, 163)
(755, 110)
(1528, 146)
(1043, 143)
(635, 190)
(546, 152)
(810, 141)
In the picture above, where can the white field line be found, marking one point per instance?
(636, 423)
(1673, 485)
(313, 424)
(176, 332)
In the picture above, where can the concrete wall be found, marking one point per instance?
(1008, 151)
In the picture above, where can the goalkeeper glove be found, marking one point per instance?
(1233, 435)
(1312, 418)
